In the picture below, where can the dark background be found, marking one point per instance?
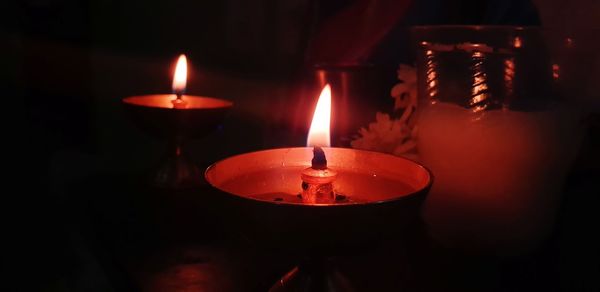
(67, 63)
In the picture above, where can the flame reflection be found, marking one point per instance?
(432, 88)
(479, 89)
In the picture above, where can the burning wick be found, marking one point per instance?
(179, 82)
(317, 180)
(178, 102)
(319, 160)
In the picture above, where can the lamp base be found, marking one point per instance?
(177, 171)
(313, 276)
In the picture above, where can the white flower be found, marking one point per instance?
(395, 136)
(383, 135)
(405, 93)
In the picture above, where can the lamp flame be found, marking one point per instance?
(318, 135)
(180, 76)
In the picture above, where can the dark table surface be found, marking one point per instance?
(133, 237)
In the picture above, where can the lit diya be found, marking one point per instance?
(177, 118)
(319, 201)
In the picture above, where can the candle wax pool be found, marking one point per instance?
(285, 183)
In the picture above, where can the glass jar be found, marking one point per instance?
(500, 122)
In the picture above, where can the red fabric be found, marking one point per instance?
(351, 35)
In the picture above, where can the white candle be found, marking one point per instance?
(498, 174)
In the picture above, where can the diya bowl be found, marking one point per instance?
(159, 117)
(383, 193)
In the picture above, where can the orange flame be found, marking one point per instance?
(318, 135)
(517, 42)
(180, 76)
